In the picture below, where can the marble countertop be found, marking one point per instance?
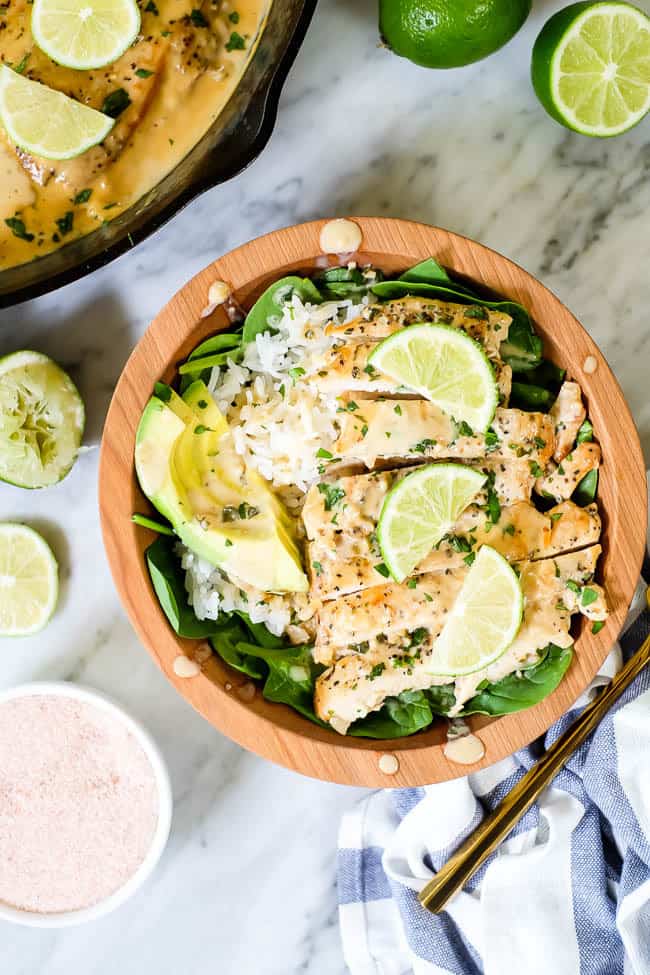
(247, 884)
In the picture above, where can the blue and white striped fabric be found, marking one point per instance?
(568, 893)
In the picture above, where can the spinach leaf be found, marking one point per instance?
(231, 634)
(400, 716)
(167, 579)
(162, 527)
(221, 342)
(586, 491)
(546, 374)
(290, 676)
(516, 692)
(266, 311)
(585, 433)
(193, 367)
(441, 698)
(525, 396)
(337, 283)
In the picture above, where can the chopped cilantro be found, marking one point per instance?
(197, 18)
(65, 222)
(464, 429)
(469, 558)
(588, 596)
(331, 494)
(18, 229)
(382, 570)
(318, 568)
(597, 626)
(535, 469)
(321, 452)
(233, 17)
(151, 8)
(411, 584)
(397, 409)
(143, 73)
(236, 42)
(82, 197)
(475, 311)
(115, 103)
(509, 529)
(376, 671)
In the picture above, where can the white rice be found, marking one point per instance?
(279, 421)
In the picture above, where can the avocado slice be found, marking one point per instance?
(188, 467)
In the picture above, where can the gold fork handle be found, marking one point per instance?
(495, 827)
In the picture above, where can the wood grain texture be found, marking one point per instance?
(273, 730)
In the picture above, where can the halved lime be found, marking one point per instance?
(591, 67)
(85, 34)
(484, 619)
(420, 510)
(46, 122)
(29, 580)
(445, 365)
(41, 420)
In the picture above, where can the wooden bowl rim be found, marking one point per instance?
(274, 731)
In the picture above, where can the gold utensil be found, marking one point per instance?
(495, 827)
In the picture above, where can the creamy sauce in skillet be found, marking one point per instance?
(178, 76)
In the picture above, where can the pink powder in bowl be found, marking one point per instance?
(79, 803)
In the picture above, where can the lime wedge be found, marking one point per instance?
(85, 34)
(484, 619)
(41, 420)
(445, 365)
(46, 122)
(420, 510)
(29, 580)
(591, 67)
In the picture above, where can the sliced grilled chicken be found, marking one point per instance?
(343, 562)
(359, 682)
(389, 430)
(490, 328)
(346, 370)
(568, 414)
(561, 480)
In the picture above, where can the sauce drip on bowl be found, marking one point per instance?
(167, 89)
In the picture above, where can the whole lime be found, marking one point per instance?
(449, 33)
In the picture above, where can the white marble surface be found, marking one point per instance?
(247, 884)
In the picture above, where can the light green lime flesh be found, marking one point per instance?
(46, 122)
(84, 34)
(600, 71)
(188, 468)
(484, 620)
(41, 420)
(446, 366)
(28, 581)
(420, 510)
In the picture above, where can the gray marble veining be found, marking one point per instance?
(247, 883)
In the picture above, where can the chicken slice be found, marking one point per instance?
(568, 414)
(389, 430)
(561, 480)
(361, 680)
(490, 328)
(345, 369)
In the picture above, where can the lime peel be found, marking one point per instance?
(85, 34)
(29, 580)
(484, 619)
(46, 122)
(446, 366)
(420, 510)
(591, 67)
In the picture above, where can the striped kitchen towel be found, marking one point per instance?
(568, 893)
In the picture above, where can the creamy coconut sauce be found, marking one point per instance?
(177, 77)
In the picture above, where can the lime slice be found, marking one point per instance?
(445, 365)
(29, 580)
(420, 510)
(41, 420)
(484, 619)
(591, 67)
(46, 122)
(85, 34)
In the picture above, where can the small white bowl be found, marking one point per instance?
(66, 919)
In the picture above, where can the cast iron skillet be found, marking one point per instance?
(233, 141)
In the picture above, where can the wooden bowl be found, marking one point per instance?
(273, 730)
